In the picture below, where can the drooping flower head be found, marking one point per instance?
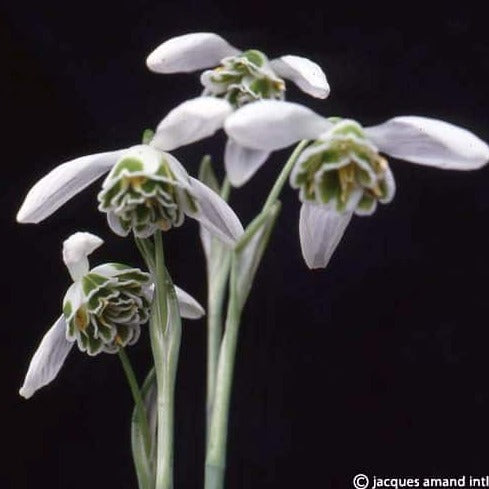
(342, 171)
(146, 189)
(231, 75)
(103, 311)
(246, 77)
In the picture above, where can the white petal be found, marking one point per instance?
(115, 224)
(430, 142)
(272, 124)
(189, 307)
(48, 359)
(320, 229)
(191, 121)
(215, 214)
(190, 52)
(63, 183)
(306, 74)
(242, 163)
(76, 250)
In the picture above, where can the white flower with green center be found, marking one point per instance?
(103, 311)
(146, 189)
(244, 78)
(342, 172)
(234, 76)
(344, 169)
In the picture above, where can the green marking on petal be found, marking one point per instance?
(242, 79)
(143, 202)
(132, 165)
(367, 203)
(254, 56)
(92, 282)
(114, 303)
(67, 309)
(328, 186)
(340, 166)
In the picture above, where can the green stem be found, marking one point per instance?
(284, 174)
(217, 287)
(218, 432)
(138, 399)
(216, 446)
(165, 343)
(217, 277)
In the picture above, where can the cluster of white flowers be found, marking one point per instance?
(339, 169)
(341, 172)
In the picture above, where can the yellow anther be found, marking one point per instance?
(135, 182)
(163, 224)
(81, 319)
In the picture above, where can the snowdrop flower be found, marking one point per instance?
(342, 172)
(240, 77)
(103, 311)
(146, 189)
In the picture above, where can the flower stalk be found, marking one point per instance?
(165, 334)
(259, 230)
(217, 285)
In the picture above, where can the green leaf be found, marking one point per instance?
(249, 252)
(144, 462)
(207, 174)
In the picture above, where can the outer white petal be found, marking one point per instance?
(76, 250)
(272, 124)
(63, 183)
(215, 214)
(191, 121)
(190, 52)
(242, 163)
(48, 359)
(320, 229)
(189, 307)
(430, 142)
(306, 74)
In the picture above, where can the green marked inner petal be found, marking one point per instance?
(341, 167)
(91, 282)
(367, 202)
(67, 309)
(328, 187)
(254, 56)
(132, 165)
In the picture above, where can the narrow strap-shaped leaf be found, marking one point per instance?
(249, 251)
(207, 174)
(144, 462)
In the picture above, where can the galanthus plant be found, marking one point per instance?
(103, 311)
(341, 172)
(338, 167)
(239, 78)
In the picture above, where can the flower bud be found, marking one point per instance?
(105, 308)
(344, 169)
(146, 190)
(244, 78)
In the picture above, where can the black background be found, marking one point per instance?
(377, 364)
